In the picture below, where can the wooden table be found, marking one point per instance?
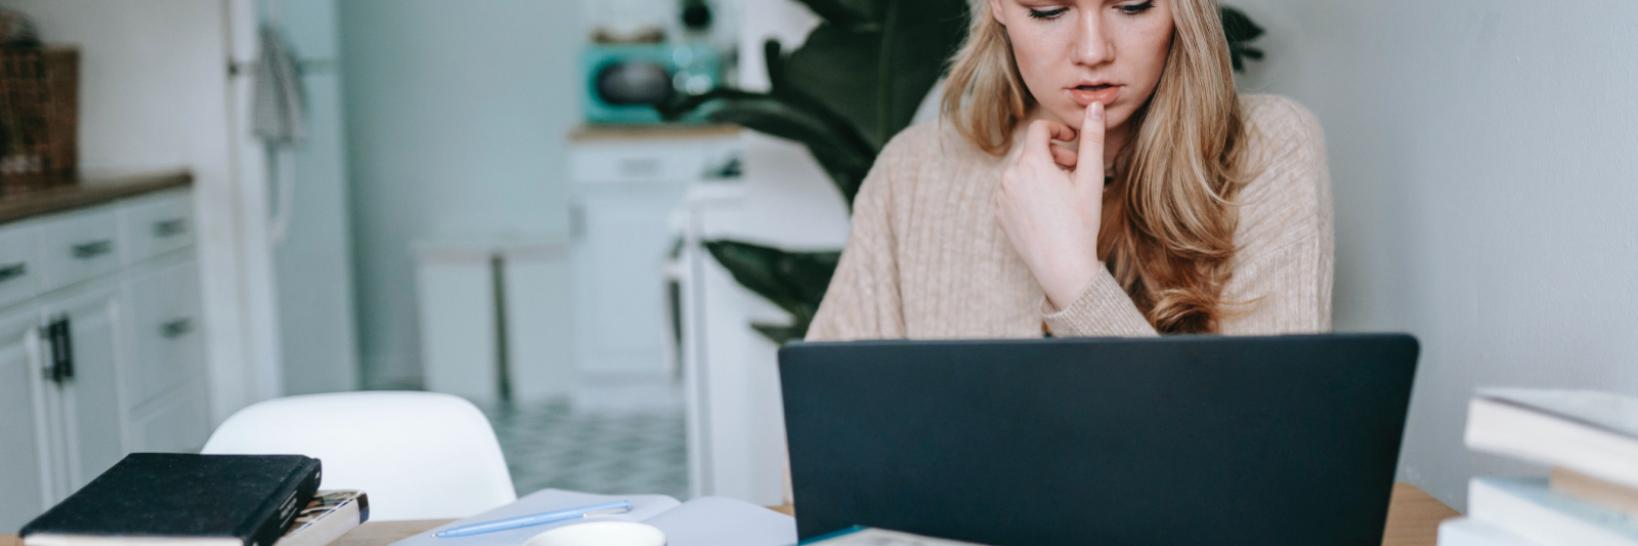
(1413, 520)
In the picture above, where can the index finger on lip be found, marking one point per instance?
(1091, 145)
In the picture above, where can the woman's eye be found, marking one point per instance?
(1047, 13)
(1134, 9)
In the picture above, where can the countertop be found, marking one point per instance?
(593, 133)
(87, 192)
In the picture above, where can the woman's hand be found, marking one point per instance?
(1051, 204)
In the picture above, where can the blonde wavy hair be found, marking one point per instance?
(1169, 218)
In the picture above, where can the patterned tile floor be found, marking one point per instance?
(597, 451)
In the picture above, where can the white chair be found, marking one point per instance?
(418, 455)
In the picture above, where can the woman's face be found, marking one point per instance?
(1074, 52)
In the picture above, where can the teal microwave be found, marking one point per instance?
(624, 82)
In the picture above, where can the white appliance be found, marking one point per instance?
(307, 201)
(625, 184)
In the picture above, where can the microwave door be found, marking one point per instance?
(634, 83)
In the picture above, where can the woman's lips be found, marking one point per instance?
(1085, 96)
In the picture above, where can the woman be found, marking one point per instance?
(1094, 173)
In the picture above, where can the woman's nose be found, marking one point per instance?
(1092, 44)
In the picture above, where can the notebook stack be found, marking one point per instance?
(1589, 498)
(173, 498)
(326, 518)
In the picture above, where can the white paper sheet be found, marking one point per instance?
(717, 521)
(642, 507)
(705, 521)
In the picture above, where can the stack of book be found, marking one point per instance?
(326, 518)
(1590, 497)
(166, 498)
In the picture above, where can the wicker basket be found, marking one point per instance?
(39, 115)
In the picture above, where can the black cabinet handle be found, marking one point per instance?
(12, 271)
(92, 249)
(638, 166)
(62, 351)
(68, 349)
(170, 228)
(176, 328)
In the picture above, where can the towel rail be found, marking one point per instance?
(306, 66)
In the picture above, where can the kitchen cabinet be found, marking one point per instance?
(22, 425)
(625, 186)
(101, 348)
(176, 424)
(86, 385)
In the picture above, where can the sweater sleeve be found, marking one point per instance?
(863, 301)
(1282, 275)
(1104, 309)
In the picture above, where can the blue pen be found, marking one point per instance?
(543, 518)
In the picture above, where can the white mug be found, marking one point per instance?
(601, 533)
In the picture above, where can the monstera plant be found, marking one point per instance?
(856, 81)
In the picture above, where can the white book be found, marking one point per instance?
(704, 521)
(1593, 433)
(325, 518)
(1472, 532)
(1529, 509)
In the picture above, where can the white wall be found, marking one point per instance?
(1485, 156)
(456, 117)
(153, 95)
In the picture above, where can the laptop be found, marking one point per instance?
(1176, 440)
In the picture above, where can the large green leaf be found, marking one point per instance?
(781, 334)
(919, 40)
(837, 67)
(793, 281)
(876, 76)
(1240, 31)
(855, 82)
(837, 150)
(852, 13)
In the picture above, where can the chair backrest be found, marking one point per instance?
(417, 455)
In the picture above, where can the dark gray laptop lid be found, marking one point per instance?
(1178, 440)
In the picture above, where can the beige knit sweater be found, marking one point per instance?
(926, 258)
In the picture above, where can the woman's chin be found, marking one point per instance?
(1070, 116)
(1073, 115)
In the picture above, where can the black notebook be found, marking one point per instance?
(172, 498)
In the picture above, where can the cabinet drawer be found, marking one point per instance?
(156, 224)
(19, 275)
(658, 161)
(76, 246)
(180, 425)
(166, 346)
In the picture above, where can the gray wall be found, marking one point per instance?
(456, 113)
(1485, 155)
